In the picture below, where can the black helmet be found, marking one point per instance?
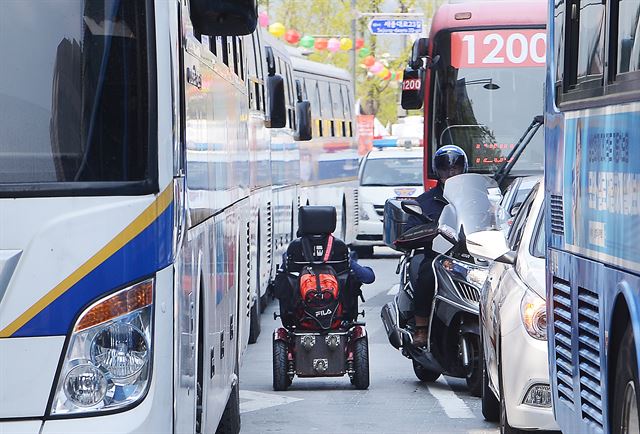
(447, 158)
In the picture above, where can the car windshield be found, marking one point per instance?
(485, 110)
(392, 172)
(73, 94)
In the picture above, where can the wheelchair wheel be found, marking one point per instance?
(361, 364)
(280, 361)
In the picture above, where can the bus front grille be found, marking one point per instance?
(562, 339)
(589, 356)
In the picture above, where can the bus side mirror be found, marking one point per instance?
(419, 51)
(412, 88)
(224, 17)
(303, 115)
(277, 107)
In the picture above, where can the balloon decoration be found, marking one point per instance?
(263, 19)
(307, 41)
(321, 44)
(333, 45)
(364, 52)
(277, 29)
(346, 44)
(369, 61)
(375, 68)
(292, 36)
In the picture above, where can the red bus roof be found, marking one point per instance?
(489, 13)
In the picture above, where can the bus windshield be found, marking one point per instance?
(485, 110)
(73, 94)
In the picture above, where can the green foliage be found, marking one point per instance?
(332, 18)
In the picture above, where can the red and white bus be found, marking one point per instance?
(482, 84)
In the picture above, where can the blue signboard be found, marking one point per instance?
(395, 26)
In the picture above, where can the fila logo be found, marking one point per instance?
(324, 312)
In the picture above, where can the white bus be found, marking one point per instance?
(125, 215)
(329, 162)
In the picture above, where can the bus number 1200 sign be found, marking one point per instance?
(411, 84)
(498, 48)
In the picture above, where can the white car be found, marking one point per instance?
(394, 172)
(513, 316)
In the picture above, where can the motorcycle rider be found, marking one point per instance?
(448, 161)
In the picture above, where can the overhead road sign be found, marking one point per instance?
(381, 26)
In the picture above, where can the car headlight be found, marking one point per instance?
(533, 311)
(108, 361)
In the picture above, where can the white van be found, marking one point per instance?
(383, 174)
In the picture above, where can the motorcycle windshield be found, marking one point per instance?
(474, 204)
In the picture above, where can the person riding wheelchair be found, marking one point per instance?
(318, 286)
(319, 274)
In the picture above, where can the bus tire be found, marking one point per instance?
(254, 324)
(626, 388)
(230, 421)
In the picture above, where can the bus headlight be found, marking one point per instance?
(533, 311)
(108, 361)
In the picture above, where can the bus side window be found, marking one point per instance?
(338, 110)
(237, 57)
(325, 107)
(558, 43)
(260, 92)
(252, 75)
(584, 58)
(290, 98)
(348, 128)
(627, 51)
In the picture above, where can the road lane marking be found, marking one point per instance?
(394, 289)
(450, 403)
(252, 401)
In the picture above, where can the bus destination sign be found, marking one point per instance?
(395, 26)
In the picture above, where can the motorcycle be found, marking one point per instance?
(453, 334)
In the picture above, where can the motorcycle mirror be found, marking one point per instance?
(412, 207)
(490, 245)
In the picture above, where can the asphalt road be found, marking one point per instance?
(396, 402)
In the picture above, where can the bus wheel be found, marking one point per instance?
(625, 400)
(254, 323)
(230, 421)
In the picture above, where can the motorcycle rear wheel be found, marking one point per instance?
(425, 375)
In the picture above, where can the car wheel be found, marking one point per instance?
(626, 388)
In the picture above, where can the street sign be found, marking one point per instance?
(395, 26)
